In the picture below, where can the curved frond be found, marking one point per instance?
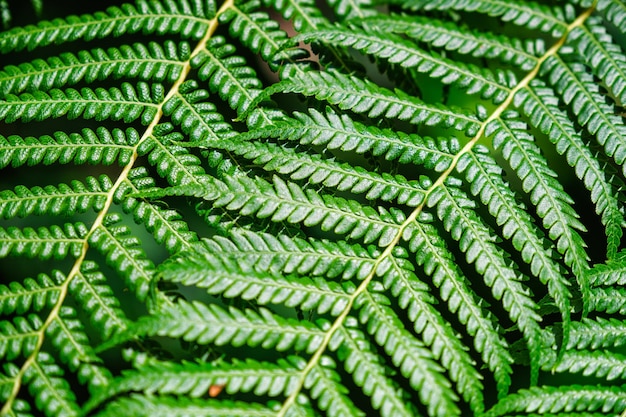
(195, 379)
(540, 104)
(488, 84)
(287, 255)
(340, 132)
(361, 96)
(597, 333)
(188, 18)
(368, 371)
(95, 147)
(196, 322)
(29, 295)
(451, 37)
(319, 170)
(125, 103)
(153, 62)
(533, 16)
(223, 276)
(65, 199)
(564, 399)
(579, 89)
(439, 263)
(408, 353)
(149, 406)
(477, 242)
(44, 242)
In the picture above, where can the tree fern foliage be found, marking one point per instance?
(299, 208)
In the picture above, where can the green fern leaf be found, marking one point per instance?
(541, 105)
(94, 147)
(50, 200)
(43, 243)
(181, 17)
(195, 379)
(196, 322)
(451, 37)
(360, 96)
(302, 208)
(342, 133)
(566, 399)
(533, 16)
(30, 295)
(155, 62)
(124, 103)
(176, 407)
(221, 277)
(476, 80)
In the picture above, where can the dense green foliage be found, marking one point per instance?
(423, 217)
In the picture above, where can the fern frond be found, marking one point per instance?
(445, 345)
(580, 90)
(228, 75)
(286, 201)
(52, 393)
(358, 358)
(196, 116)
(19, 337)
(279, 235)
(66, 199)
(455, 210)
(150, 406)
(451, 37)
(485, 177)
(613, 272)
(611, 300)
(29, 295)
(95, 147)
(600, 364)
(438, 262)
(154, 62)
(303, 13)
(173, 162)
(286, 255)
(123, 251)
(602, 55)
(197, 322)
(489, 84)
(67, 335)
(224, 277)
(44, 243)
(346, 10)
(362, 96)
(553, 205)
(195, 379)
(186, 18)
(318, 170)
(579, 398)
(533, 16)
(325, 387)
(96, 299)
(599, 332)
(407, 353)
(614, 11)
(166, 226)
(342, 133)
(540, 104)
(125, 103)
(259, 32)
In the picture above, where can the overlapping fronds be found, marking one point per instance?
(304, 208)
